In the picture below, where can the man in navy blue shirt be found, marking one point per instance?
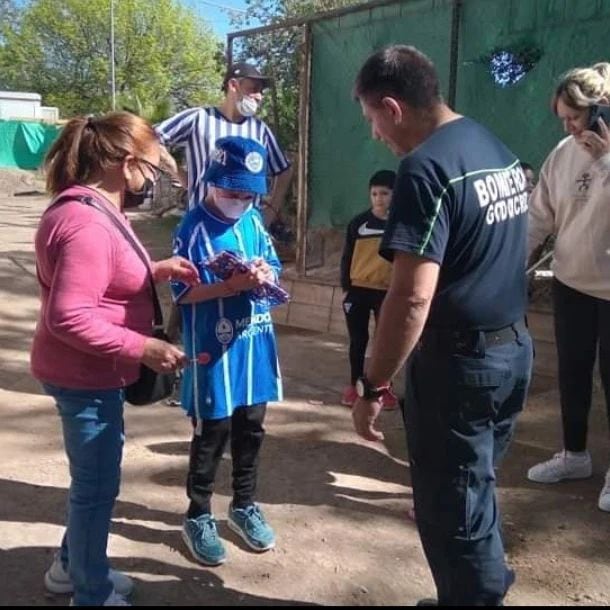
(456, 236)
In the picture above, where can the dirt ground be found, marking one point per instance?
(338, 504)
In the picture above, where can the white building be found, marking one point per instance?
(22, 106)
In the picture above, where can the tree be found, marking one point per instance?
(61, 49)
(9, 16)
(8, 11)
(279, 53)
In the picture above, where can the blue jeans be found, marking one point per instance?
(92, 423)
(460, 412)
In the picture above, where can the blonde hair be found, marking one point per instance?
(582, 87)
(89, 146)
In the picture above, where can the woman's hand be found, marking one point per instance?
(176, 268)
(163, 357)
(597, 145)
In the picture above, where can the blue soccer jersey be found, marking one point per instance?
(230, 340)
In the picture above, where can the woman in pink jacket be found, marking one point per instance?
(94, 328)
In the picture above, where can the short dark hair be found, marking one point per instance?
(402, 72)
(384, 177)
(525, 166)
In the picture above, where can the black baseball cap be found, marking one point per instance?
(243, 69)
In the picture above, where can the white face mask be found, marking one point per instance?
(231, 208)
(247, 106)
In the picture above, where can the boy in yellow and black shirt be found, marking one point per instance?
(365, 277)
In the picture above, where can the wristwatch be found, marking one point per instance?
(366, 390)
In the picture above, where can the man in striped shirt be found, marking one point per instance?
(197, 129)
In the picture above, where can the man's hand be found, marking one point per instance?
(176, 268)
(364, 414)
(277, 199)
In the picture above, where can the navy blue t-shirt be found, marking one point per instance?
(460, 200)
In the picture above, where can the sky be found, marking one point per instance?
(210, 11)
(217, 17)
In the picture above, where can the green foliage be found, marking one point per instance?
(155, 111)
(9, 18)
(8, 11)
(280, 54)
(62, 48)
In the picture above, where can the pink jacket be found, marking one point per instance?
(96, 301)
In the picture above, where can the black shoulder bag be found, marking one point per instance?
(150, 386)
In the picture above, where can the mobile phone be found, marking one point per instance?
(598, 111)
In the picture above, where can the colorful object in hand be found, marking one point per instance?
(225, 264)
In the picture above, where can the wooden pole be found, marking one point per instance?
(303, 165)
(454, 52)
(112, 59)
(230, 38)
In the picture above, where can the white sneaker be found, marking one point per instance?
(57, 580)
(114, 599)
(604, 495)
(561, 466)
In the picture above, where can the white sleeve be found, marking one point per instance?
(541, 216)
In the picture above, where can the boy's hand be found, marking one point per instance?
(240, 282)
(263, 271)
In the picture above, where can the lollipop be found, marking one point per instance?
(203, 358)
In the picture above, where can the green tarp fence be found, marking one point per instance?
(24, 144)
(343, 156)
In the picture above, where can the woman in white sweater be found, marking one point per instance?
(572, 201)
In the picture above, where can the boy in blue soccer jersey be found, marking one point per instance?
(228, 334)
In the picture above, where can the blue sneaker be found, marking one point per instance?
(201, 537)
(250, 524)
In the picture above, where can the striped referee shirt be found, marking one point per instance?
(197, 129)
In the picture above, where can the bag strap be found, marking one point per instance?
(158, 320)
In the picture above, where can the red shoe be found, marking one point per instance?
(411, 514)
(349, 396)
(389, 400)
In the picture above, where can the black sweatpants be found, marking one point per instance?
(582, 328)
(245, 428)
(357, 307)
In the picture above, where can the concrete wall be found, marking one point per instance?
(317, 306)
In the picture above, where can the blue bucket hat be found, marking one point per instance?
(238, 164)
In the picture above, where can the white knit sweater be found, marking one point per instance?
(572, 201)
